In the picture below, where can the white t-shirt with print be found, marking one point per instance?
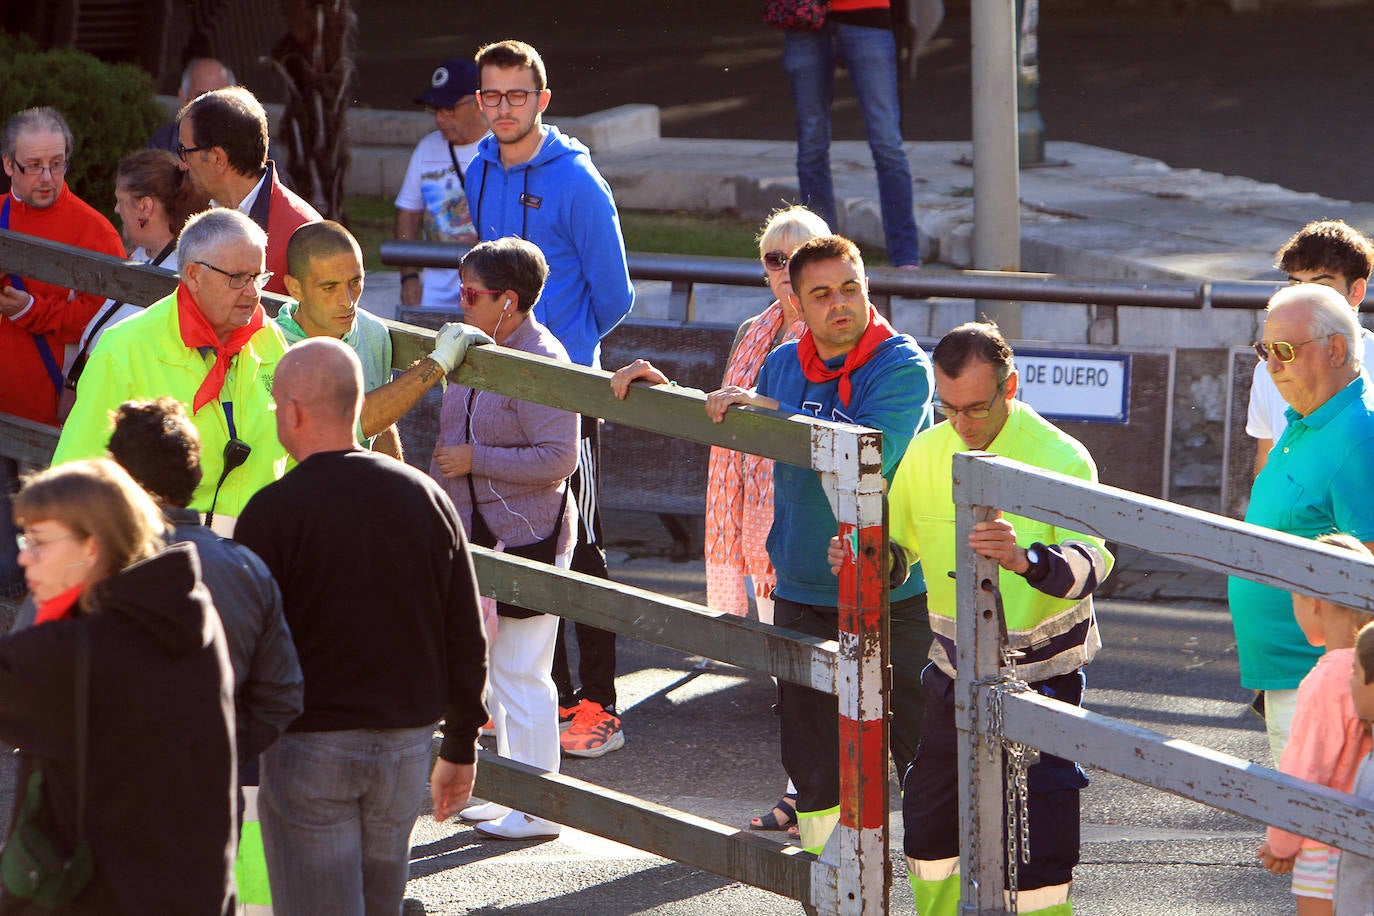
(434, 188)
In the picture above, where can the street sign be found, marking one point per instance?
(1069, 385)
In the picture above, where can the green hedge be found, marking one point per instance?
(110, 108)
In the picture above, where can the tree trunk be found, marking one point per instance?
(315, 60)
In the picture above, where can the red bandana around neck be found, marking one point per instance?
(196, 333)
(814, 368)
(59, 607)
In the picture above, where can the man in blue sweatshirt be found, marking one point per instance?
(535, 182)
(850, 366)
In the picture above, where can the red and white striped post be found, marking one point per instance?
(849, 460)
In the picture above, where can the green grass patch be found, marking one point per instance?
(722, 234)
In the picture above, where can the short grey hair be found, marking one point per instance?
(205, 232)
(788, 228)
(34, 119)
(1330, 314)
(194, 62)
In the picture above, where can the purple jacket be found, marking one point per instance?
(522, 453)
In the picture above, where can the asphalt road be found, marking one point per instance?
(1278, 96)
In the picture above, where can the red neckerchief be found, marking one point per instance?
(59, 607)
(196, 333)
(814, 368)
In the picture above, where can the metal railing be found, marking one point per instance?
(984, 483)
(685, 270)
(851, 874)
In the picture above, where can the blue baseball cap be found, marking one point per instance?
(451, 81)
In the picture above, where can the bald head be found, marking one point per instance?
(319, 393)
(202, 75)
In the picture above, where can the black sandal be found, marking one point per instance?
(769, 821)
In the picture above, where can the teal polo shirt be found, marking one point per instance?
(1317, 481)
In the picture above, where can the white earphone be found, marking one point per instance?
(507, 303)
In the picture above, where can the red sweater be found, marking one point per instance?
(58, 313)
(287, 212)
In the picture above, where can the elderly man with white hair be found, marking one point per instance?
(210, 346)
(1316, 480)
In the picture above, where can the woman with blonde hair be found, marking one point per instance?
(120, 699)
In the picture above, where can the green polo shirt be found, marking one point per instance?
(1317, 481)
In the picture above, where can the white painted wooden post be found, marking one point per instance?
(849, 461)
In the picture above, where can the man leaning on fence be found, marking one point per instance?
(1048, 575)
(211, 346)
(325, 277)
(37, 319)
(1315, 481)
(849, 366)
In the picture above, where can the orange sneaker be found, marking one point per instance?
(565, 715)
(593, 732)
(486, 731)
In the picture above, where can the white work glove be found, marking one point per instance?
(452, 342)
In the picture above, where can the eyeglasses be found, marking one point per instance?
(35, 546)
(775, 260)
(239, 281)
(1285, 351)
(975, 412)
(182, 151)
(35, 168)
(470, 295)
(491, 98)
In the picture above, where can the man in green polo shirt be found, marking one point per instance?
(1048, 575)
(1315, 481)
(325, 276)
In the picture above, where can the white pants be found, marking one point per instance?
(526, 703)
(1279, 708)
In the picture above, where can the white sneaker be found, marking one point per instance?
(520, 826)
(486, 812)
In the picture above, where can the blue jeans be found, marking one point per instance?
(337, 811)
(871, 57)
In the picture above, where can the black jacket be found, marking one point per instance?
(161, 784)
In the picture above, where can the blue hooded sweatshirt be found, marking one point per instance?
(891, 393)
(560, 202)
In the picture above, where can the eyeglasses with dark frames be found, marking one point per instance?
(37, 168)
(184, 151)
(239, 281)
(776, 260)
(1285, 351)
(491, 98)
(975, 412)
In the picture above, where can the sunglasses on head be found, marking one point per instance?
(775, 260)
(1285, 351)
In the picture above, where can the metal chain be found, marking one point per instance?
(1016, 759)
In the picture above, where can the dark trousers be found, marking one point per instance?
(930, 797)
(595, 647)
(810, 719)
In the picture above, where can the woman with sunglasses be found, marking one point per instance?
(159, 794)
(505, 464)
(739, 489)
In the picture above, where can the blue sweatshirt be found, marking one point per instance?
(892, 394)
(560, 202)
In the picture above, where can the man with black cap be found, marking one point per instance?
(431, 200)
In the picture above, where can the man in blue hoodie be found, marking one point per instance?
(849, 366)
(533, 181)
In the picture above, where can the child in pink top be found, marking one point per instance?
(1328, 739)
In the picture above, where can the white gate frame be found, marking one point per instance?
(984, 483)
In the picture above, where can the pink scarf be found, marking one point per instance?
(739, 501)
